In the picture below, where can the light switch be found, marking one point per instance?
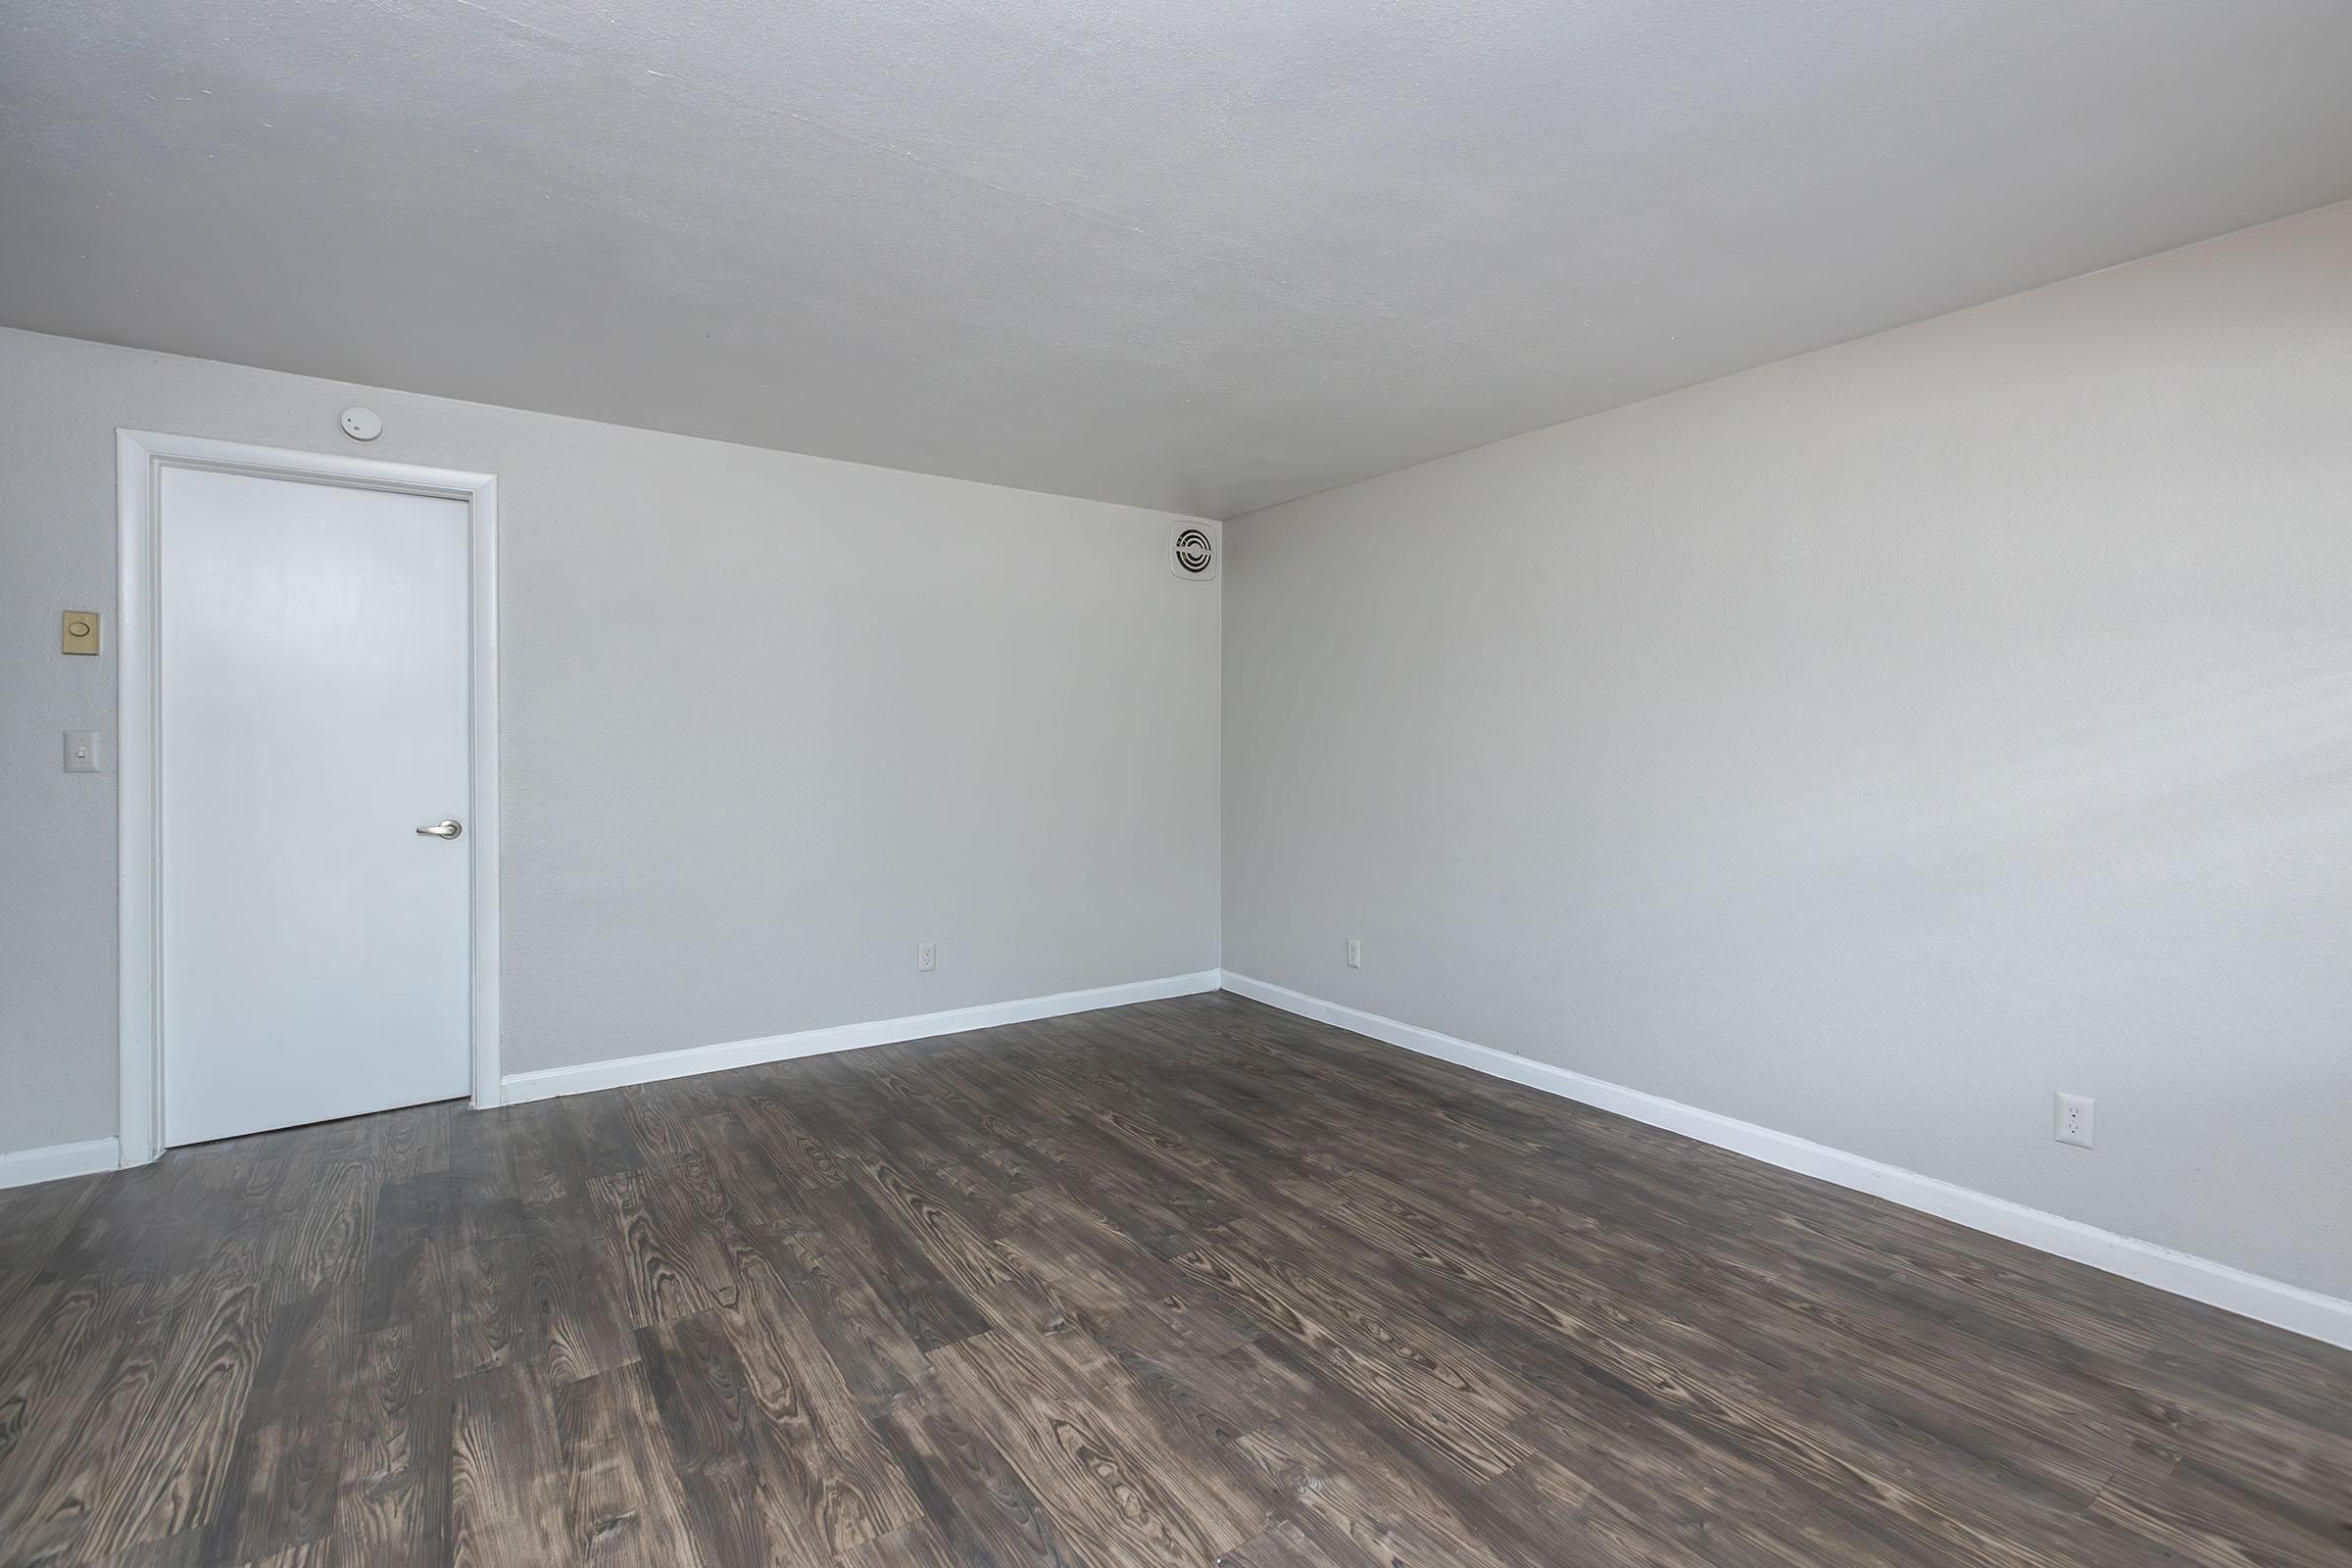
(81, 750)
(81, 631)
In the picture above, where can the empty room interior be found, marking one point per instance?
(1551, 784)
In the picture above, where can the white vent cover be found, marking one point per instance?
(1193, 550)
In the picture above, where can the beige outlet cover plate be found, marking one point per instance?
(81, 631)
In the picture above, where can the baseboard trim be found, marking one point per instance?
(2274, 1302)
(59, 1160)
(589, 1077)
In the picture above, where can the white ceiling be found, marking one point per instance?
(1203, 255)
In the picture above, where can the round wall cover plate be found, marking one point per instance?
(362, 424)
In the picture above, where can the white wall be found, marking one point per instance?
(769, 721)
(1866, 746)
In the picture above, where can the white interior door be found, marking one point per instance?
(312, 677)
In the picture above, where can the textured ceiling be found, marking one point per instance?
(1203, 255)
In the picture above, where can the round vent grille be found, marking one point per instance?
(1193, 551)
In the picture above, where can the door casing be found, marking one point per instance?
(140, 457)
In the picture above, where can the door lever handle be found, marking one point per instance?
(444, 829)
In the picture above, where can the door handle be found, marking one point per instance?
(444, 829)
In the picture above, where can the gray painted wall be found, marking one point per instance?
(769, 721)
(1866, 746)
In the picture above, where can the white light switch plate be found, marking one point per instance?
(81, 750)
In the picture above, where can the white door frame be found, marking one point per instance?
(140, 457)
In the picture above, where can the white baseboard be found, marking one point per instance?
(591, 1076)
(2234, 1290)
(28, 1165)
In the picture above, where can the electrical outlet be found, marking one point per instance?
(1356, 953)
(2074, 1121)
(926, 956)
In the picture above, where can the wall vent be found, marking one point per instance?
(1193, 550)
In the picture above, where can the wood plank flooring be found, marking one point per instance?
(1186, 1282)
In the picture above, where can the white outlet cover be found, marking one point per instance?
(2074, 1109)
(363, 424)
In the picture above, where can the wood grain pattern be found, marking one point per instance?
(626, 1504)
(1186, 1282)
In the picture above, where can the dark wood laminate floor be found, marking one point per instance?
(1184, 1282)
